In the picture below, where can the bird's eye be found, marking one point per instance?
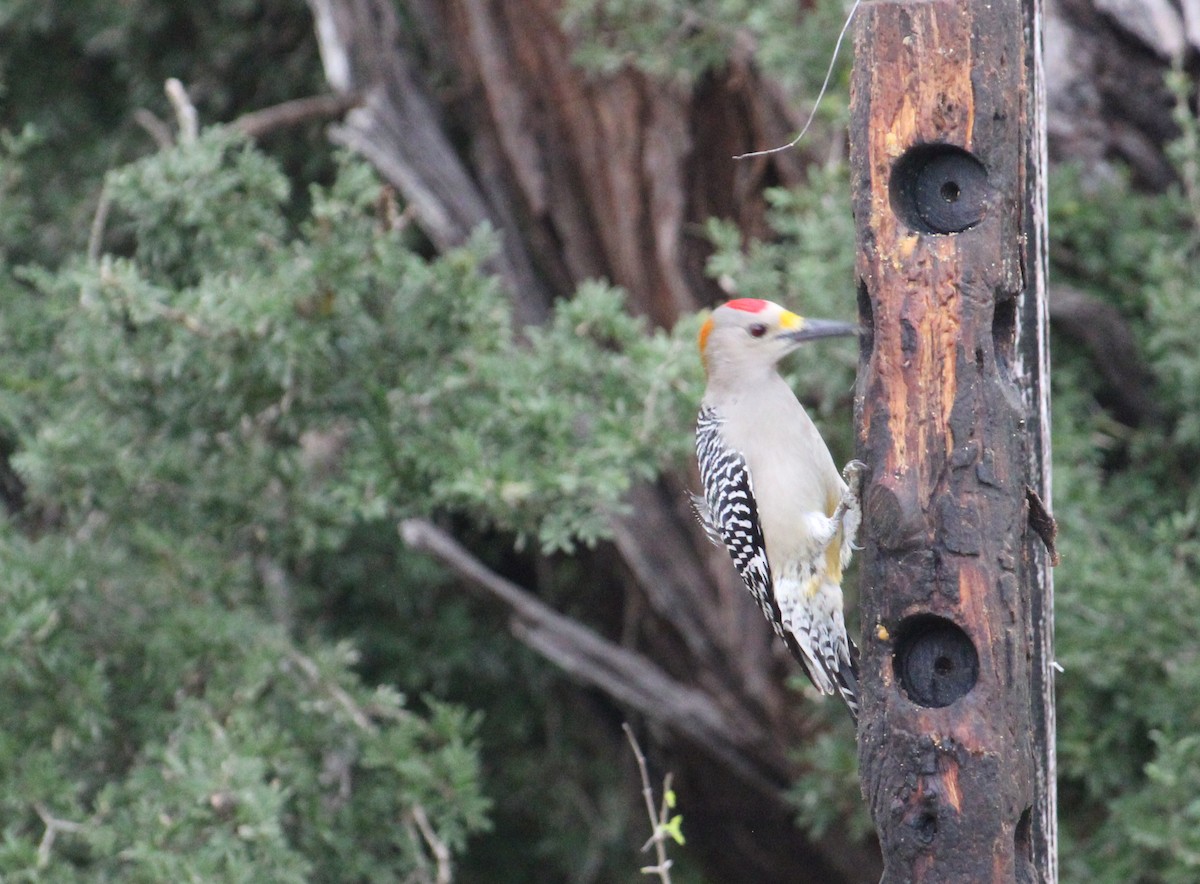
(757, 330)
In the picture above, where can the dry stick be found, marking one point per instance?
(664, 808)
(292, 113)
(154, 127)
(441, 853)
(1110, 341)
(99, 221)
(313, 673)
(825, 85)
(185, 111)
(657, 839)
(53, 826)
(95, 245)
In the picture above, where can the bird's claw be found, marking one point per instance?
(850, 507)
(854, 474)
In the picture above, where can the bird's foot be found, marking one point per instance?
(854, 474)
(850, 508)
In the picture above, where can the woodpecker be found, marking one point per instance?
(772, 495)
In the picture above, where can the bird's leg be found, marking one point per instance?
(851, 501)
(846, 515)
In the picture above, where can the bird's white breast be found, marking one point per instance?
(792, 471)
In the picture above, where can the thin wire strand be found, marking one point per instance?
(824, 86)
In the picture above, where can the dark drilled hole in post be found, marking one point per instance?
(1004, 332)
(866, 320)
(926, 826)
(935, 661)
(939, 188)
(1023, 836)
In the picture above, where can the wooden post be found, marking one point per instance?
(956, 731)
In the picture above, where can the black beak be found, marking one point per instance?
(821, 328)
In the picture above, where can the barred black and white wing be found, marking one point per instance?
(731, 511)
(731, 514)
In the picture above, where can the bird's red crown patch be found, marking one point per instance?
(750, 305)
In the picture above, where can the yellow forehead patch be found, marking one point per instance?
(789, 321)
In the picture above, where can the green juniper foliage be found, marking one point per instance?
(1127, 591)
(169, 727)
(197, 419)
(685, 39)
(75, 74)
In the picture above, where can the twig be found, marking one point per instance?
(665, 806)
(291, 113)
(156, 128)
(399, 130)
(310, 670)
(99, 221)
(53, 826)
(657, 819)
(185, 111)
(825, 85)
(437, 847)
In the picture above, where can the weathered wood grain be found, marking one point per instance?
(946, 108)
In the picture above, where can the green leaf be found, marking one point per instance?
(673, 828)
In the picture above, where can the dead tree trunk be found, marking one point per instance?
(956, 735)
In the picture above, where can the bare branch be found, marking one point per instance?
(658, 839)
(292, 113)
(397, 128)
(343, 699)
(156, 128)
(185, 111)
(1108, 337)
(660, 556)
(99, 221)
(624, 675)
(53, 826)
(437, 847)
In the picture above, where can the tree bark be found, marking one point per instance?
(956, 728)
(1108, 104)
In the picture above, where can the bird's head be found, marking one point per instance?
(748, 332)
